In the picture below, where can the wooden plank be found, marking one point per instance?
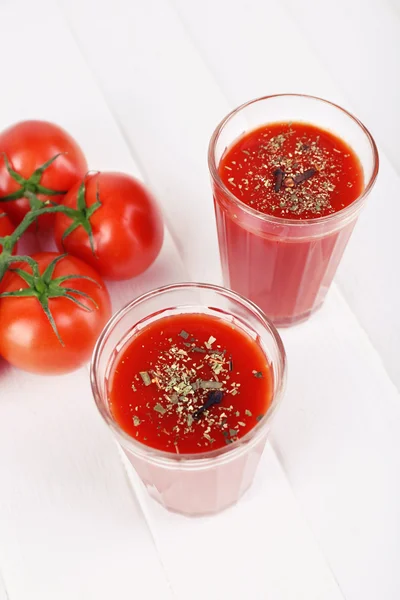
(236, 58)
(260, 548)
(337, 432)
(258, 64)
(159, 91)
(69, 524)
(361, 59)
(3, 591)
(362, 65)
(337, 437)
(182, 122)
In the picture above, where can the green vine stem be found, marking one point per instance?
(8, 242)
(44, 286)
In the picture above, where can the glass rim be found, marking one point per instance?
(200, 459)
(337, 216)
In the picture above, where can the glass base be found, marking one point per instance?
(198, 514)
(191, 491)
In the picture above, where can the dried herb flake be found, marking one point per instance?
(210, 385)
(145, 377)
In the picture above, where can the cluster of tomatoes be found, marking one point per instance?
(53, 305)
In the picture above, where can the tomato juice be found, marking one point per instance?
(292, 170)
(189, 383)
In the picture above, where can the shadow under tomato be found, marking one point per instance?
(5, 367)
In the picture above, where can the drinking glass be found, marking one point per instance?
(285, 266)
(192, 484)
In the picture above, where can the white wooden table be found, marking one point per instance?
(141, 85)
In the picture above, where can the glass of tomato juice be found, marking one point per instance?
(188, 378)
(290, 174)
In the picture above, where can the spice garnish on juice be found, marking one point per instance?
(292, 170)
(190, 383)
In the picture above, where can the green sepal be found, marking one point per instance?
(16, 176)
(37, 175)
(82, 215)
(32, 184)
(80, 293)
(44, 287)
(25, 293)
(45, 305)
(48, 273)
(14, 196)
(29, 279)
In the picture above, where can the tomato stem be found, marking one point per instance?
(81, 216)
(32, 184)
(44, 287)
(8, 242)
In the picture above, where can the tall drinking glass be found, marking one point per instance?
(285, 266)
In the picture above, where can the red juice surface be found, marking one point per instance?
(189, 383)
(293, 171)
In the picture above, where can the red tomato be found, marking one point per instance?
(6, 228)
(127, 229)
(28, 341)
(28, 145)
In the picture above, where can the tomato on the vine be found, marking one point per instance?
(40, 159)
(51, 323)
(118, 228)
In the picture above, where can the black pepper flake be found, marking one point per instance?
(213, 398)
(279, 175)
(304, 176)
